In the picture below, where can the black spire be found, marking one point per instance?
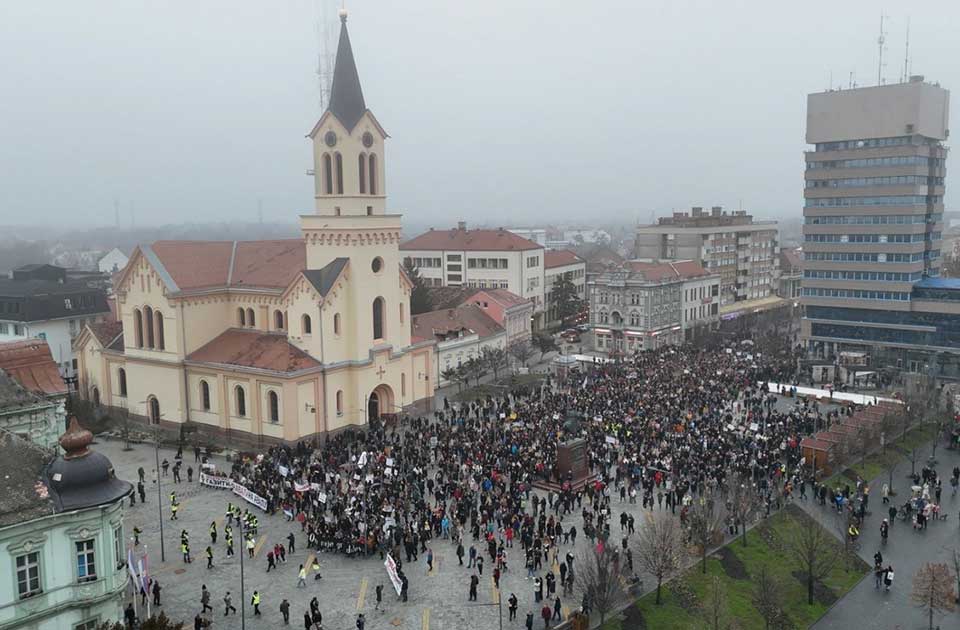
(346, 97)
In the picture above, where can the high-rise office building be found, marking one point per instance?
(873, 216)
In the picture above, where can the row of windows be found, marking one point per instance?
(872, 276)
(872, 238)
(862, 257)
(148, 328)
(856, 294)
(18, 329)
(898, 160)
(29, 567)
(487, 263)
(893, 200)
(425, 263)
(533, 261)
(868, 143)
(9, 307)
(875, 219)
(948, 338)
(488, 284)
(892, 180)
(333, 173)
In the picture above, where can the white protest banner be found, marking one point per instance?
(391, 567)
(249, 496)
(214, 481)
(612, 440)
(283, 470)
(363, 460)
(322, 497)
(301, 487)
(314, 486)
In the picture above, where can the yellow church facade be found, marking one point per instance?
(279, 340)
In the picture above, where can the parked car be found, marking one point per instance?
(583, 327)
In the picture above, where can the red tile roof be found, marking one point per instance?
(469, 317)
(254, 349)
(107, 333)
(470, 240)
(197, 265)
(657, 272)
(31, 364)
(503, 297)
(559, 258)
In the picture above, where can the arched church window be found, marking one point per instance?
(251, 320)
(205, 395)
(336, 323)
(327, 175)
(278, 320)
(241, 316)
(274, 404)
(122, 381)
(378, 308)
(307, 325)
(241, 401)
(338, 160)
(339, 402)
(158, 316)
(373, 174)
(138, 327)
(362, 162)
(148, 324)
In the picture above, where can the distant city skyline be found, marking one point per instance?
(522, 113)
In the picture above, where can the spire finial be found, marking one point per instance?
(76, 440)
(343, 14)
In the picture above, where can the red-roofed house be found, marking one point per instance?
(561, 263)
(643, 305)
(481, 259)
(460, 333)
(274, 340)
(32, 392)
(511, 311)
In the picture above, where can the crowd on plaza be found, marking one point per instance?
(660, 428)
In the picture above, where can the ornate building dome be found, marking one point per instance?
(81, 477)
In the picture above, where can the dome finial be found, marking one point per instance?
(76, 440)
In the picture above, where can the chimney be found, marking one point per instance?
(462, 226)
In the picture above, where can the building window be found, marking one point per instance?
(122, 381)
(336, 323)
(205, 395)
(362, 161)
(307, 325)
(138, 327)
(251, 320)
(278, 320)
(274, 403)
(241, 397)
(338, 159)
(153, 410)
(378, 310)
(377, 265)
(118, 547)
(4, 328)
(148, 325)
(401, 312)
(158, 316)
(327, 175)
(96, 396)
(373, 174)
(241, 317)
(86, 561)
(403, 385)
(340, 402)
(28, 575)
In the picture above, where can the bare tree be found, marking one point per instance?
(814, 550)
(716, 607)
(598, 576)
(933, 589)
(660, 550)
(521, 351)
(494, 358)
(705, 525)
(767, 598)
(955, 561)
(745, 505)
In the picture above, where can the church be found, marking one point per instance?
(277, 340)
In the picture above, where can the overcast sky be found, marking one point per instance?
(509, 111)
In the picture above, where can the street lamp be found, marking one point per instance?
(156, 453)
(243, 596)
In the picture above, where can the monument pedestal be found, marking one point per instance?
(572, 464)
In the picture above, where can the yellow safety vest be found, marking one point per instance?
(256, 599)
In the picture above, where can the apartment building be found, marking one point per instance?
(873, 222)
(481, 259)
(644, 306)
(743, 251)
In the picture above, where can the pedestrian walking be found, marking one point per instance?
(142, 491)
(255, 602)
(285, 611)
(512, 606)
(156, 592)
(474, 580)
(228, 606)
(361, 622)
(209, 557)
(205, 599)
(301, 577)
(271, 563)
(529, 621)
(291, 543)
(379, 593)
(213, 533)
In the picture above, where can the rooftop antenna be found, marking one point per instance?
(325, 55)
(880, 42)
(906, 56)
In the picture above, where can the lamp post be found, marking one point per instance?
(156, 453)
(243, 596)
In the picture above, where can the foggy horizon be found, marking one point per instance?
(535, 114)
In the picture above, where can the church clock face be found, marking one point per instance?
(330, 139)
(367, 139)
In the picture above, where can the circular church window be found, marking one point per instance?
(377, 264)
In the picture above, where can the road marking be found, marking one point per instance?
(425, 622)
(256, 549)
(363, 593)
(495, 591)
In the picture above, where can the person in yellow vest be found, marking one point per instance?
(173, 511)
(209, 557)
(213, 533)
(185, 550)
(255, 600)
